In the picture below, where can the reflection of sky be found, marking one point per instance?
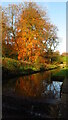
(54, 89)
(55, 85)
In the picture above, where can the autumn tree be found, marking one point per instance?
(27, 32)
(4, 33)
(33, 32)
(10, 15)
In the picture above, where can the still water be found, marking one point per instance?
(39, 86)
(36, 85)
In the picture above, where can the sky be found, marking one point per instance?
(56, 11)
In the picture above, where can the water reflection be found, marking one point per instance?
(36, 85)
(52, 90)
(31, 85)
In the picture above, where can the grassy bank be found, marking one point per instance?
(12, 67)
(61, 75)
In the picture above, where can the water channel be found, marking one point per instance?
(38, 87)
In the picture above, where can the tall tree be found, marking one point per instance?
(27, 31)
(33, 32)
(4, 33)
(10, 15)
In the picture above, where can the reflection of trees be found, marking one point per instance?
(28, 87)
(38, 85)
(31, 85)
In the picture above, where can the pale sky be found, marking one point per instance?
(56, 11)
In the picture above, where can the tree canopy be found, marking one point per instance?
(28, 31)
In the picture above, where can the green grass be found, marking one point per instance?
(61, 75)
(14, 67)
(65, 59)
(12, 64)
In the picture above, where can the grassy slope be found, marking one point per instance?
(12, 66)
(15, 65)
(61, 75)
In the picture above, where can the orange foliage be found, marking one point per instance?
(32, 30)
